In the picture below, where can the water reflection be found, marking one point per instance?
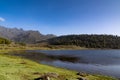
(46, 57)
(105, 62)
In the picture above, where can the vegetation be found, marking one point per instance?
(15, 68)
(88, 41)
(4, 41)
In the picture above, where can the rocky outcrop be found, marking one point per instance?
(43, 78)
(47, 76)
(82, 74)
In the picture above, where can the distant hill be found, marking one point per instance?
(88, 41)
(20, 35)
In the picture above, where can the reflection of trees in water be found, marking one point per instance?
(64, 58)
(45, 57)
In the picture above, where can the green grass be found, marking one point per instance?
(40, 47)
(15, 68)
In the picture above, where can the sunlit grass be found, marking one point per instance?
(15, 68)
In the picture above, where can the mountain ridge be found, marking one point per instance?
(20, 35)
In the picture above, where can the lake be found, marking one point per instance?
(105, 62)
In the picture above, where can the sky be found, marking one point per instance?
(62, 17)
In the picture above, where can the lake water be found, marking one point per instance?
(105, 62)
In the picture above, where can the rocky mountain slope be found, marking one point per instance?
(20, 35)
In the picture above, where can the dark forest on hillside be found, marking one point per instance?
(88, 41)
(4, 41)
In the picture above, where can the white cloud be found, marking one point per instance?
(2, 19)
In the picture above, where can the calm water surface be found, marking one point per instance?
(106, 62)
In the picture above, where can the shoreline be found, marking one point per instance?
(59, 57)
(49, 47)
(7, 51)
(19, 48)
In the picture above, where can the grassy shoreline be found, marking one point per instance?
(7, 48)
(16, 68)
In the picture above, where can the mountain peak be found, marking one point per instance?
(20, 35)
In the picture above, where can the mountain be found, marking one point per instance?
(88, 41)
(20, 35)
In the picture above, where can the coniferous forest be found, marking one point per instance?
(84, 40)
(88, 41)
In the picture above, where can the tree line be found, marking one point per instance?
(88, 41)
(4, 41)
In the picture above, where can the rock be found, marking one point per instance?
(81, 79)
(47, 76)
(82, 74)
(54, 75)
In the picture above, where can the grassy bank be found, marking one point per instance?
(39, 47)
(15, 68)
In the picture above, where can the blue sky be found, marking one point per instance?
(62, 17)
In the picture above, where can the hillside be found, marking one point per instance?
(84, 40)
(88, 41)
(4, 41)
(20, 35)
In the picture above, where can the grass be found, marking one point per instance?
(40, 47)
(16, 68)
